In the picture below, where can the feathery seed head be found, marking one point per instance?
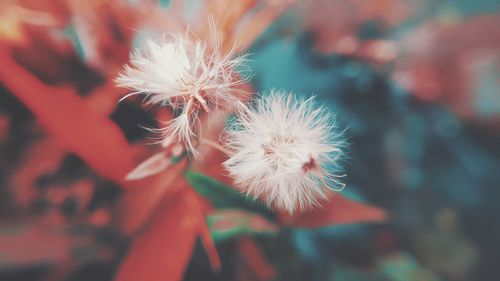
(285, 151)
(188, 75)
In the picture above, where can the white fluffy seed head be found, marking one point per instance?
(188, 75)
(286, 151)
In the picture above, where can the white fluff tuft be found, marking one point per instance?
(185, 74)
(285, 151)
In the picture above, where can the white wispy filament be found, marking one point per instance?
(188, 75)
(285, 151)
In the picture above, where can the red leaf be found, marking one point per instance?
(66, 116)
(137, 204)
(209, 245)
(155, 164)
(338, 210)
(256, 260)
(204, 231)
(213, 167)
(163, 250)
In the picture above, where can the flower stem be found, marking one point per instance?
(216, 146)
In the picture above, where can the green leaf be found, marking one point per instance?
(223, 196)
(227, 224)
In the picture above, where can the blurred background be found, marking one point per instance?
(416, 82)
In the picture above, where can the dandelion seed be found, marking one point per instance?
(190, 76)
(285, 151)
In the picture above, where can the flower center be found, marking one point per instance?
(310, 165)
(275, 143)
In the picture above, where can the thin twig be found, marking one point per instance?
(216, 146)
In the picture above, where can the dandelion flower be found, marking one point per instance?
(285, 151)
(188, 75)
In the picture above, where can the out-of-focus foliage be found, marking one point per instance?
(415, 82)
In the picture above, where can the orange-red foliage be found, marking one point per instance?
(161, 213)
